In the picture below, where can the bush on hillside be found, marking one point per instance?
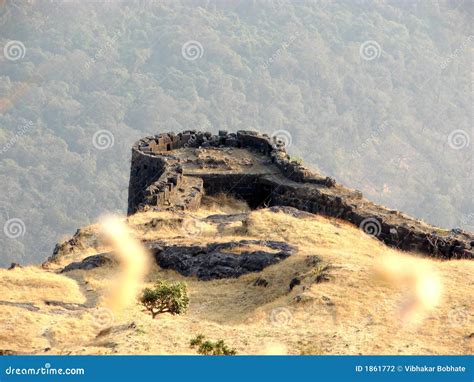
(165, 297)
(206, 347)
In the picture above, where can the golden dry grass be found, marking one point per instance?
(33, 284)
(223, 204)
(353, 313)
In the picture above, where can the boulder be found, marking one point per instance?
(216, 261)
(90, 262)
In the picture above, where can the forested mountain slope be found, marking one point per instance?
(376, 94)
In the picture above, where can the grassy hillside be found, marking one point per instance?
(350, 311)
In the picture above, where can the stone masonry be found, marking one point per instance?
(172, 172)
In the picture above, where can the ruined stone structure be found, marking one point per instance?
(172, 172)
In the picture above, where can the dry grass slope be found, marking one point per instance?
(353, 312)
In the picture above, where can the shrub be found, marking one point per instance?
(322, 273)
(206, 347)
(165, 297)
(319, 271)
(296, 160)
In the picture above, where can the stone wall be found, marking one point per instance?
(392, 227)
(157, 177)
(155, 171)
(145, 170)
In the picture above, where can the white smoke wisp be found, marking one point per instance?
(134, 262)
(420, 283)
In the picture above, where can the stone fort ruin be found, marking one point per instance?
(173, 171)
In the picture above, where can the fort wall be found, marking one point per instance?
(157, 181)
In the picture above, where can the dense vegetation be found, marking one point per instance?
(377, 118)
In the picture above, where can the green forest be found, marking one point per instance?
(377, 94)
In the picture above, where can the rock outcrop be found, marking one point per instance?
(90, 262)
(221, 260)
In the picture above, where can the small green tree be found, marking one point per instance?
(165, 297)
(206, 347)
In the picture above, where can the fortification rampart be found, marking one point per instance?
(164, 176)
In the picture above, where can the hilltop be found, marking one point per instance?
(266, 277)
